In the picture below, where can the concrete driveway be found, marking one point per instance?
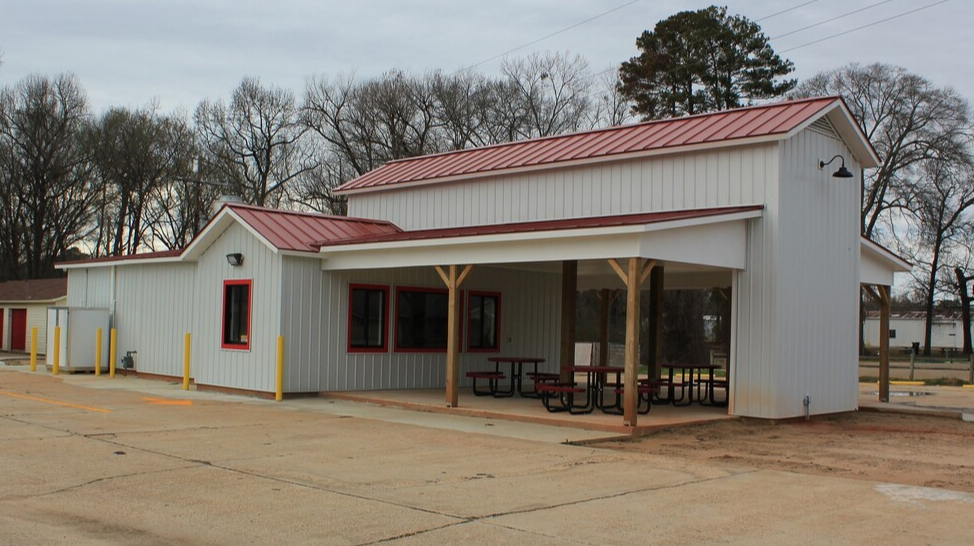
(87, 460)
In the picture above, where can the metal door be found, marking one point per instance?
(18, 329)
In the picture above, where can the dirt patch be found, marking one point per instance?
(905, 449)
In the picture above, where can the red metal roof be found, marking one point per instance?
(755, 121)
(300, 231)
(544, 225)
(37, 289)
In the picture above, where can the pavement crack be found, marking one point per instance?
(94, 481)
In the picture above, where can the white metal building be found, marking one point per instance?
(908, 328)
(733, 199)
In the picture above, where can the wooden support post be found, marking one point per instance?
(98, 339)
(453, 282)
(604, 306)
(569, 297)
(655, 322)
(883, 343)
(633, 283)
(279, 379)
(634, 277)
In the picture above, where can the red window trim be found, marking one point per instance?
(496, 349)
(385, 319)
(249, 283)
(428, 290)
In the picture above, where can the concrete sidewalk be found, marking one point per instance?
(88, 460)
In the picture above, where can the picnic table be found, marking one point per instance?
(687, 382)
(596, 381)
(517, 368)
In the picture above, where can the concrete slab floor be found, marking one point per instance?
(227, 470)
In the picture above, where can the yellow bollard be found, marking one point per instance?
(57, 351)
(112, 351)
(279, 392)
(33, 349)
(98, 353)
(186, 364)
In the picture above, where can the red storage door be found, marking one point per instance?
(18, 329)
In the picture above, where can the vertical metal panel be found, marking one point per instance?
(90, 287)
(529, 318)
(37, 317)
(799, 294)
(213, 365)
(715, 178)
(818, 279)
(154, 308)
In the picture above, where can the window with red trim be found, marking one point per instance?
(236, 314)
(368, 310)
(483, 322)
(422, 319)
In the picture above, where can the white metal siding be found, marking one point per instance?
(90, 287)
(154, 310)
(754, 366)
(727, 177)
(315, 317)
(212, 365)
(799, 295)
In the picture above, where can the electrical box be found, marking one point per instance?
(79, 331)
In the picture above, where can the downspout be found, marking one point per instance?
(112, 323)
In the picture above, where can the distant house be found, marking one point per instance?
(907, 328)
(23, 305)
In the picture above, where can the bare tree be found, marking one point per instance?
(45, 128)
(609, 107)
(137, 151)
(940, 201)
(256, 142)
(904, 116)
(551, 92)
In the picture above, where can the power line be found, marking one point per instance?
(836, 18)
(543, 38)
(874, 23)
(785, 11)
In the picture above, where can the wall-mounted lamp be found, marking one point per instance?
(235, 259)
(842, 172)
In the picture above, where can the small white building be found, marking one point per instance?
(907, 328)
(23, 306)
(735, 199)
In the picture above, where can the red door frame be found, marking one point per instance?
(18, 329)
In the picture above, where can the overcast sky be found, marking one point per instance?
(129, 52)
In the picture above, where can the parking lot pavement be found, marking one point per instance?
(86, 461)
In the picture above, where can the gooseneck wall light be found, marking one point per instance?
(842, 172)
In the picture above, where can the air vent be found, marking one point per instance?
(824, 126)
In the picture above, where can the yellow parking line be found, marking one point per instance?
(55, 402)
(167, 402)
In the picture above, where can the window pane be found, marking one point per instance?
(422, 320)
(483, 322)
(368, 317)
(236, 314)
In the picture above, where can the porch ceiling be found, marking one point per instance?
(700, 244)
